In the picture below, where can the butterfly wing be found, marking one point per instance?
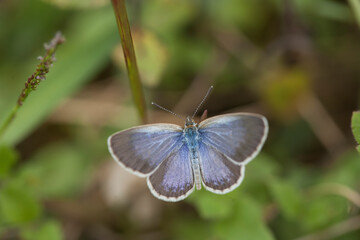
(141, 149)
(219, 174)
(173, 180)
(238, 136)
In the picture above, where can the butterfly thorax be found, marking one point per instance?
(191, 138)
(191, 134)
(189, 122)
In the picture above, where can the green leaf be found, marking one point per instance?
(240, 12)
(89, 43)
(190, 228)
(324, 211)
(246, 222)
(355, 5)
(287, 197)
(355, 125)
(8, 157)
(17, 204)
(177, 14)
(212, 206)
(333, 10)
(78, 4)
(323, 8)
(262, 167)
(260, 171)
(346, 171)
(48, 230)
(62, 165)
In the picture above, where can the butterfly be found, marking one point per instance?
(176, 160)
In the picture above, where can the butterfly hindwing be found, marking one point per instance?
(238, 136)
(219, 174)
(173, 180)
(142, 149)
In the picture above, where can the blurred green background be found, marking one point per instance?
(294, 61)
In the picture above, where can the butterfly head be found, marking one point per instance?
(189, 122)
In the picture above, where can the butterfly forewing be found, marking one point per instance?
(238, 136)
(173, 180)
(219, 174)
(142, 149)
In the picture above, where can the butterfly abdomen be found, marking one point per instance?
(191, 136)
(196, 170)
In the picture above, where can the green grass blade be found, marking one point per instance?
(130, 58)
(355, 5)
(355, 125)
(90, 42)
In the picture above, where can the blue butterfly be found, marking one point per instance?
(177, 160)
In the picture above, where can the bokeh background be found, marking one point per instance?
(294, 61)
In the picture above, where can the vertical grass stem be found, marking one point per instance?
(130, 58)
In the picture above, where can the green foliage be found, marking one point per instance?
(231, 215)
(262, 169)
(246, 221)
(34, 80)
(44, 231)
(287, 197)
(74, 68)
(41, 178)
(240, 13)
(331, 10)
(177, 15)
(78, 4)
(51, 164)
(18, 204)
(212, 207)
(355, 5)
(8, 158)
(355, 125)
(346, 170)
(323, 211)
(192, 228)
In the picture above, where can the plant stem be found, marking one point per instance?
(130, 58)
(34, 80)
(8, 119)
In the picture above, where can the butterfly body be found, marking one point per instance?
(176, 160)
(191, 138)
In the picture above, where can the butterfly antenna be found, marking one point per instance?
(203, 100)
(167, 110)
